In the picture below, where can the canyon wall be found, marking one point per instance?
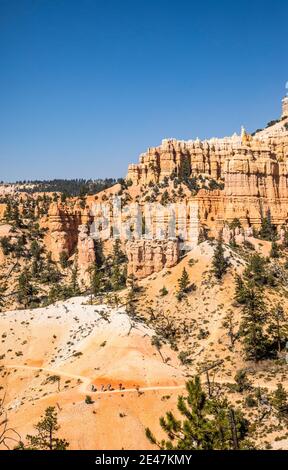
(148, 256)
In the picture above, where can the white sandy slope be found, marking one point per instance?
(92, 349)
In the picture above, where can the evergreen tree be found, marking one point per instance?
(95, 280)
(208, 424)
(183, 284)
(118, 255)
(219, 262)
(280, 402)
(256, 270)
(56, 293)
(285, 239)
(5, 245)
(242, 382)
(240, 290)
(278, 327)
(165, 198)
(50, 275)
(45, 438)
(274, 252)
(185, 169)
(118, 270)
(132, 283)
(63, 259)
(8, 212)
(26, 292)
(253, 320)
(131, 303)
(268, 230)
(19, 248)
(35, 250)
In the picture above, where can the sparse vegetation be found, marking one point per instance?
(45, 437)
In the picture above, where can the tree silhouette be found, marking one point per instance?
(45, 438)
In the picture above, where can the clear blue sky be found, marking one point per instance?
(87, 85)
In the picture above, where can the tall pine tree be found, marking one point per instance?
(254, 317)
(219, 262)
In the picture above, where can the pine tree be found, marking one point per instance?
(278, 326)
(267, 230)
(285, 239)
(5, 245)
(132, 283)
(240, 290)
(165, 198)
(19, 248)
(131, 303)
(63, 259)
(254, 318)
(118, 255)
(256, 270)
(118, 270)
(208, 424)
(185, 169)
(95, 280)
(183, 284)
(45, 438)
(280, 402)
(26, 291)
(242, 382)
(35, 250)
(219, 262)
(274, 252)
(8, 212)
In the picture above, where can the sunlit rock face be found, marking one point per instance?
(250, 175)
(148, 256)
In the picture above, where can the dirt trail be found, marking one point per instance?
(86, 382)
(85, 386)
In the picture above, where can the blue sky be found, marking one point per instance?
(87, 85)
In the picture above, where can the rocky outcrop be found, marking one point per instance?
(86, 251)
(285, 107)
(2, 210)
(182, 158)
(62, 234)
(148, 256)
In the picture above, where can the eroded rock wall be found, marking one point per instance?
(148, 256)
